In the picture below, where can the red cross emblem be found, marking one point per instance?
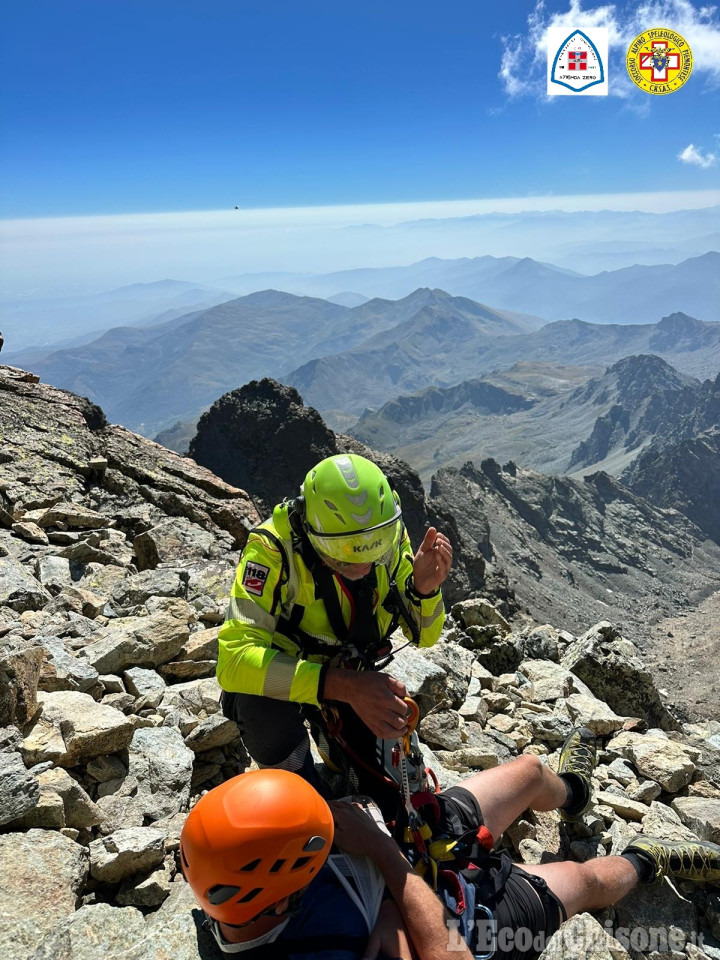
(658, 61)
(577, 60)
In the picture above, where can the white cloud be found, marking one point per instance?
(692, 155)
(522, 66)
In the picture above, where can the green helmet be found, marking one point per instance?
(351, 512)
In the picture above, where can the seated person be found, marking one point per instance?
(257, 853)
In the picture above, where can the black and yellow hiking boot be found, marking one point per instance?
(577, 762)
(698, 861)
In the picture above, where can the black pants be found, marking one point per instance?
(275, 735)
(527, 912)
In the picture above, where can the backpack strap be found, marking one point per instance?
(285, 561)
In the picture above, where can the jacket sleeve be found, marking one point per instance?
(429, 612)
(246, 661)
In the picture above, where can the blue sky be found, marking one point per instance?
(124, 106)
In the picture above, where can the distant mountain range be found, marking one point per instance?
(635, 294)
(425, 351)
(584, 240)
(31, 326)
(344, 359)
(555, 425)
(147, 378)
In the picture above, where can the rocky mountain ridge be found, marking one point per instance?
(683, 476)
(115, 561)
(373, 373)
(557, 426)
(149, 377)
(533, 286)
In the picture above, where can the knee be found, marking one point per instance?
(533, 769)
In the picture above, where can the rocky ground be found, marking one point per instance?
(115, 560)
(693, 640)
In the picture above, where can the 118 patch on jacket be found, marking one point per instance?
(255, 577)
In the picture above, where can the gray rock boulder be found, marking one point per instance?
(20, 664)
(73, 728)
(583, 938)
(590, 712)
(214, 731)
(79, 810)
(94, 931)
(551, 681)
(43, 874)
(613, 671)
(73, 515)
(701, 815)
(457, 662)
(19, 590)
(19, 790)
(656, 758)
(479, 612)
(126, 852)
(162, 765)
(146, 686)
(172, 541)
(62, 670)
(425, 681)
(136, 642)
(137, 589)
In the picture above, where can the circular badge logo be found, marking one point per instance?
(659, 61)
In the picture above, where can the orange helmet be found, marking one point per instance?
(252, 841)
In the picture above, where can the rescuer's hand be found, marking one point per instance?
(375, 697)
(432, 562)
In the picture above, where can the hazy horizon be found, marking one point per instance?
(66, 256)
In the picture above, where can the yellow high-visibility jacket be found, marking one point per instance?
(273, 589)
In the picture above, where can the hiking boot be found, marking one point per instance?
(577, 762)
(680, 861)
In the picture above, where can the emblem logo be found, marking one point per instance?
(363, 548)
(576, 61)
(255, 577)
(659, 61)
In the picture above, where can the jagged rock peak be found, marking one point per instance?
(262, 438)
(680, 323)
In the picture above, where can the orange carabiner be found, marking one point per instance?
(413, 715)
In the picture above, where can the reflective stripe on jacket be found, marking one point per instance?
(254, 655)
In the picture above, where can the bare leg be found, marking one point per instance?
(505, 791)
(587, 886)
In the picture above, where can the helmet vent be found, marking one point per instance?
(249, 896)
(314, 844)
(300, 862)
(347, 470)
(184, 858)
(221, 894)
(249, 867)
(331, 506)
(278, 865)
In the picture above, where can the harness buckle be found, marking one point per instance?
(485, 929)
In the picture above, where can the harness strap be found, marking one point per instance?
(285, 567)
(490, 879)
